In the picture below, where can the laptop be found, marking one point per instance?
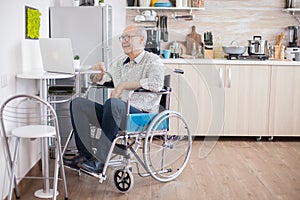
(57, 55)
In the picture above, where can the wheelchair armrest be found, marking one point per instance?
(179, 71)
(105, 84)
(140, 89)
(93, 85)
(163, 90)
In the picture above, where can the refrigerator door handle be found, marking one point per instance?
(105, 33)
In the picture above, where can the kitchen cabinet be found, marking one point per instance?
(187, 89)
(246, 100)
(229, 100)
(285, 101)
(195, 99)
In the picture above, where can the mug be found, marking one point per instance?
(146, 13)
(166, 53)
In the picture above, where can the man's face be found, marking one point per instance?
(131, 42)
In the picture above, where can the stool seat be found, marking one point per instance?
(34, 131)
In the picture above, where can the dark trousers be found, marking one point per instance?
(110, 117)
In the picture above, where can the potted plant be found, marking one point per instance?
(76, 62)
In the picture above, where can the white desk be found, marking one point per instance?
(43, 77)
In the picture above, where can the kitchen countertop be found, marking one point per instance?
(230, 62)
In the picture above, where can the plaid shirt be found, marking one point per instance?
(148, 68)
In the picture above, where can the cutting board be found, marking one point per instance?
(192, 38)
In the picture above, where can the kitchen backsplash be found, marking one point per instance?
(229, 20)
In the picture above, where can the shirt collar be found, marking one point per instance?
(140, 57)
(137, 59)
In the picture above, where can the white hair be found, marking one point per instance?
(140, 30)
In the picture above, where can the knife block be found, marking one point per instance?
(208, 53)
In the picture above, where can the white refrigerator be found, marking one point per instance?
(90, 31)
(88, 27)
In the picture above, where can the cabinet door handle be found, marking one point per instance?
(221, 78)
(229, 77)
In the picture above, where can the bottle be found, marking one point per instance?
(218, 51)
(194, 50)
(200, 52)
(271, 52)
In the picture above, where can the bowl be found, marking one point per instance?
(163, 4)
(234, 50)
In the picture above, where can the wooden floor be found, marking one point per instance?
(235, 169)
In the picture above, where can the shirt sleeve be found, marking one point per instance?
(111, 73)
(155, 76)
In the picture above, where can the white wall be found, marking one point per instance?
(12, 37)
(12, 23)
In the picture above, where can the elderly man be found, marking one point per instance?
(137, 68)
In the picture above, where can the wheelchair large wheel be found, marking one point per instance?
(123, 180)
(167, 146)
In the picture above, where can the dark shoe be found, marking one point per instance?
(73, 162)
(93, 166)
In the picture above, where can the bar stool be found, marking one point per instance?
(29, 117)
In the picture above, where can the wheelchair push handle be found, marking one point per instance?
(179, 71)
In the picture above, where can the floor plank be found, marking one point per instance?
(234, 169)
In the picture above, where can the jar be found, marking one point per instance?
(271, 52)
(153, 3)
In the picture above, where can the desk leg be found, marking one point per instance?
(45, 192)
(77, 84)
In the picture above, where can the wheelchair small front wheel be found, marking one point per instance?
(167, 146)
(123, 180)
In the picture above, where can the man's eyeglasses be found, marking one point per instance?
(126, 38)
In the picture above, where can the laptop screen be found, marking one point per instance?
(57, 55)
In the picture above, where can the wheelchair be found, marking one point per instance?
(153, 144)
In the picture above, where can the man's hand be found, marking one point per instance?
(96, 77)
(117, 91)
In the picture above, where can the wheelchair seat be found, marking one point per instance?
(138, 121)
